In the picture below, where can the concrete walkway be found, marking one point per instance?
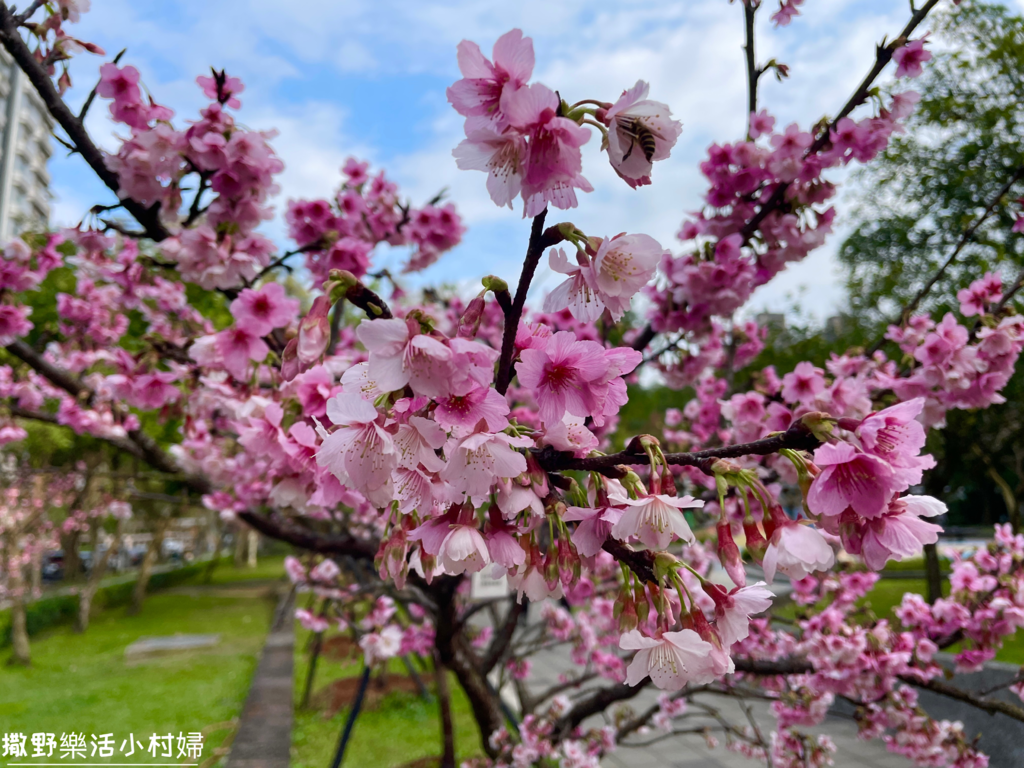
(691, 751)
(264, 737)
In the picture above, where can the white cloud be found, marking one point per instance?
(303, 63)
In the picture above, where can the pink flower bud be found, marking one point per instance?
(314, 332)
(756, 544)
(729, 555)
(290, 367)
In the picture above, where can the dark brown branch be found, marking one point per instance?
(992, 706)
(141, 444)
(598, 702)
(282, 529)
(753, 73)
(540, 240)
(52, 373)
(92, 94)
(503, 638)
(797, 437)
(639, 562)
(10, 38)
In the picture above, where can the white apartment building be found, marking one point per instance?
(25, 129)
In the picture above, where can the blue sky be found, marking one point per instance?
(368, 78)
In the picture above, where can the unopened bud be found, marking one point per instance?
(290, 366)
(469, 323)
(820, 424)
(494, 284)
(729, 554)
(314, 332)
(756, 544)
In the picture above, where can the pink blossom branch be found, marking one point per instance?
(145, 447)
(10, 38)
(883, 54)
(966, 237)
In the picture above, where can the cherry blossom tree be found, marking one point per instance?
(436, 435)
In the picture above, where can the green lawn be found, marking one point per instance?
(267, 569)
(82, 683)
(400, 728)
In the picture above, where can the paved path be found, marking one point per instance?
(691, 751)
(264, 737)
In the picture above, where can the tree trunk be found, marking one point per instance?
(72, 562)
(19, 627)
(214, 559)
(146, 569)
(456, 654)
(99, 568)
(37, 571)
(444, 704)
(933, 572)
(252, 547)
(318, 641)
(240, 538)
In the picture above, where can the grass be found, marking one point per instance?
(267, 569)
(399, 729)
(82, 683)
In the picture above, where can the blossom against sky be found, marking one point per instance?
(368, 79)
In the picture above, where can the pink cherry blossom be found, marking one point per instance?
(594, 527)
(479, 459)
(237, 348)
(895, 435)
(623, 265)
(463, 550)
(672, 660)
(910, 57)
(264, 310)
(796, 550)
(314, 332)
(479, 92)
(553, 162)
(631, 120)
(565, 376)
(851, 478)
(378, 647)
(656, 520)
(399, 355)
(500, 155)
(733, 609)
(900, 533)
(360, 451)
(803, 384)
(579, 293)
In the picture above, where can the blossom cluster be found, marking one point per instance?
(528, 141)
(341, 234)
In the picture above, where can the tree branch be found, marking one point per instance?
(142, 445)
(992, 706)
(753, 73)
(797, 437)
(540, 240)
(282, 529)
(883, 54)
(10, 38)
(965, 238)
